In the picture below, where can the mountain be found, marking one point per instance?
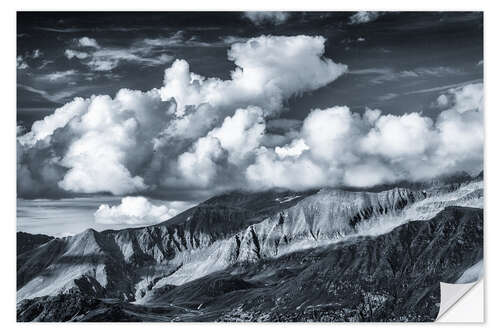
(253, 256)
(26, 242)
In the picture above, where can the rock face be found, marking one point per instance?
(239, 244)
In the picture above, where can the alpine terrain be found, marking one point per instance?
(320, 255)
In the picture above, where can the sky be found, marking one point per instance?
(129, 118)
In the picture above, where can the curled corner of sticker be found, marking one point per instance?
(454, 295)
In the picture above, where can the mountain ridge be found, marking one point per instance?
(220, 232)
(389, 277)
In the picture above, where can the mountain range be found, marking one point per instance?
(321, 255)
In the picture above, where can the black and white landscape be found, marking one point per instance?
(259, 166)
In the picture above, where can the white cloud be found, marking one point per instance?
(364, 17)
(183, 134)
(195, 136)
(178, 39)
(259, 18)
(227, 146)
(467, 98)
(261, 78)
(399, 136)
(442, 101)
(21, 63)
(369, 173)
(36, 54)
(136, 211)
(104, 59)
(70, 54)
(295, 148)
(353, 150)
(58, 76)
(88, 42)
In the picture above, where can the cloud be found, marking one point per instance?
(45, 63)
(344, 148)
(387, 97)
(228, 40)
(70, 54)
(36, 54)
(196, 136)
(178, 39)
(294, 149)
(413, 132)
(147, 52)
(137, 211)
(269, 70)
(58, 76)
(445, 87)
(382, 75)
(103, 59)
(21, 63)
(227, 146)
(88, 42)
(259, 18)
(62, 30)
(22, 60)
(20, 129)
(178, 137)
(57, 97)
(364, 17)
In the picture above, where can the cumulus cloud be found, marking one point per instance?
(196, 136)
(399, 136)
(275, 18)
(179, 136)
(137, 211)
(88, 42)
(269, 70)
(364, 17)
(338, 147)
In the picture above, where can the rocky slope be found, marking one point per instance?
(390, 277)
(232, 229)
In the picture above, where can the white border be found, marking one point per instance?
(8, 109)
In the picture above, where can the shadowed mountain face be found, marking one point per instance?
(329, 255)
(26, 242)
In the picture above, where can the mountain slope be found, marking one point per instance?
(238, 228)
(389, 277)
(235, 227)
